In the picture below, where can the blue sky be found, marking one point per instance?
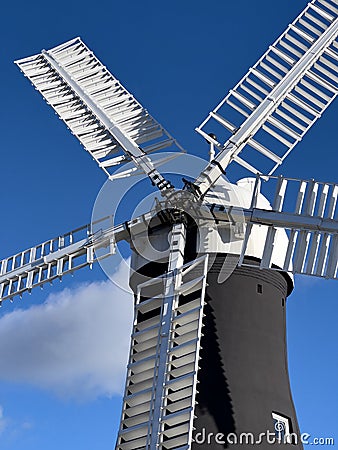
(179, 59)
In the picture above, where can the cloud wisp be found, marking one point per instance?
(3, 421)
(75, 344)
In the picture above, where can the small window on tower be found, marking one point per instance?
(259, 288)
(283, 429)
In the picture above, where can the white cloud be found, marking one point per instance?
(75, 344)
(3, 422)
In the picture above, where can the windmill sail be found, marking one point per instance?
(269, 111)
(161, 385)
(108, 121)
(56, 257)
(65, 254)
(307, 209)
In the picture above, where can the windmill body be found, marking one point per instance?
(243, 339)
(212, 261)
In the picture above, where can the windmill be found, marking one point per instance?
(262, 118)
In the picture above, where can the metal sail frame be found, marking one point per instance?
(280, 97)
(161, 384)
(108, 121)
(312, 244)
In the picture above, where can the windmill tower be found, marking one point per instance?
(208, 342)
